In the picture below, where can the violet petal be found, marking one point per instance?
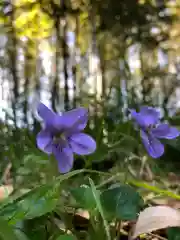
(137, 117)
(50, 118)
(165, 131)
(82, 144)
(153, 146)
(64, 156)
(146, 117)
(149, 115)
(75, 120)
(44, 141)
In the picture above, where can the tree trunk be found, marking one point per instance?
(65, 56)
(13, 70)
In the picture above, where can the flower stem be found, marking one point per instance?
(118, 230)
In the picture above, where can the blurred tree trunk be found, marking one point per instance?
(12, 51)
(93, 53)
(37, 88)
(102, 69)
(26, 86)
(65, 55)
(55, 87)
(28, 73)
(61, 31)
(74, 64)
(145, 82)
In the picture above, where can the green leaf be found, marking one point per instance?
(100, 208)
(121, 202)
(21, 235)
(6, 231)
(174, 143)
(100, 154)
(37, 229)
(66, 237)
(35, 203)
(40, 202)
(84, 197)
(155, 189)
(173, 233)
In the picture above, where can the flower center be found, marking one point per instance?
(59, 137)
(149, 128)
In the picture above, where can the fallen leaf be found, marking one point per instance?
(154, 218)
(83, 213)
(166, 201)
(5, 191)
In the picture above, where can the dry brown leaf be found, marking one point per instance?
(6, 178)
(154, 218)
(5, 191)
(174, 203)
(83, 213)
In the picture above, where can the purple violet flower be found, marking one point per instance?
(151, 130)
(62, 136)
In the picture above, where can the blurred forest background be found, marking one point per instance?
(107, 55)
